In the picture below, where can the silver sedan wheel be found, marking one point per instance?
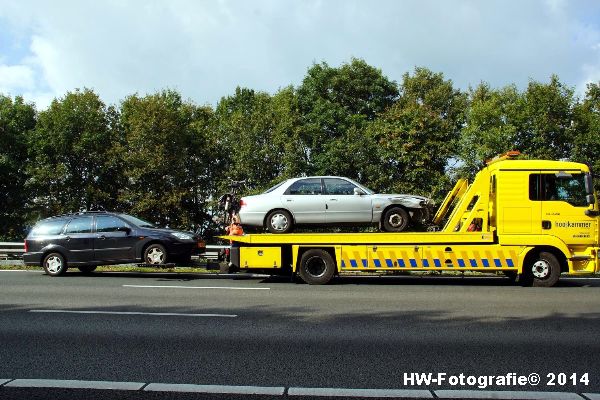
(155, 256)
(279, 222)
(54, 264)
(541, 269)
(395, 220)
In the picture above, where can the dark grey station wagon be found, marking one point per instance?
(88, 239)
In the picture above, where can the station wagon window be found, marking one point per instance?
(558, 187)
(305, 187)
(107, 223)
(79, 225)
(339, 186)
(52, 227)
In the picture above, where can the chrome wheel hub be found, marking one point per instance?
(541, 269)
(155, 256)
(279, 222)
(54, 264)
(395, 220)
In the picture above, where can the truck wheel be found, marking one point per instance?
(87, 269)
(155, 254)
(279, 221)
(316, 267)
(395, 219)
(54, 264)
(543, 270)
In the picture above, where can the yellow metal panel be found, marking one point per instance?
(367, 238)
(482, 258)
(260, 257)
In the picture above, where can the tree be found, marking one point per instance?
(73, 165)
(587, 130)
(493, 119)
(417, 136)
(545, 131)
(260, 138)
(167, 158)
(17, 119)
(335, 100)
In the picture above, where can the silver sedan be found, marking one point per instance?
(331, 200)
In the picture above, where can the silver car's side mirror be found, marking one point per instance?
(358, 192)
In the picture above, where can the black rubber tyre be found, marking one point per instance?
(155, 254)
(543, 270)
(279, 221)
(87, 269)
(54, 264)
(395, 219)
(316, 267)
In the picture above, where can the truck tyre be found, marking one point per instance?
(316, 267)
(54, 264)
(543, 270)
(155, 254)
(87, 269)
(279, 221)
(395, 219)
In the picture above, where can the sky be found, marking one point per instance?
(205, 49)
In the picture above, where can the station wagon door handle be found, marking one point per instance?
(101, 237)
(68, 238)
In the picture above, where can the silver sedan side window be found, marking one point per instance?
(305, 187)
(339, 186)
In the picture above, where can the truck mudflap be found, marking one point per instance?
(234, 257)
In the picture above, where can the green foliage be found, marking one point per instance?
(492, 124)
(333, 101)
(587, 130)
(416, 137)
(72, 156)
(17, 119)
(165, 158)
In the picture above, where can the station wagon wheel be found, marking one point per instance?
(395, 219)
(542, 270)
(316, 267)
(279, 221)
(155, 254)
(54, 264)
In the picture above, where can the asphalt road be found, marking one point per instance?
(357, 333)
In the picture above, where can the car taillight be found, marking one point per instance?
(227, 252)
(243, 203)
(26, 248)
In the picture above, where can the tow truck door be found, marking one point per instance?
(564, 205)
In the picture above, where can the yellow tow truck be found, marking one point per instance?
(532, 219)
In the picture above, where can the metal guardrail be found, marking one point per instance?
(11, 250)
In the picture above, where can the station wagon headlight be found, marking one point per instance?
(182, 236)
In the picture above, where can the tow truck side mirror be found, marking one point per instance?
(591, 199)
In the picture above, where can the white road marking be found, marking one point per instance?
(294, 391)
(72, 384)
(197, 287)
(506, 395)
(159, 314)
(339, 392)
(184, 388)
(18, 270)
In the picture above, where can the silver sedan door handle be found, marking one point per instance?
(333, 199)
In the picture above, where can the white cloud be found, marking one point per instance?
(15, 78)
(205, 49)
